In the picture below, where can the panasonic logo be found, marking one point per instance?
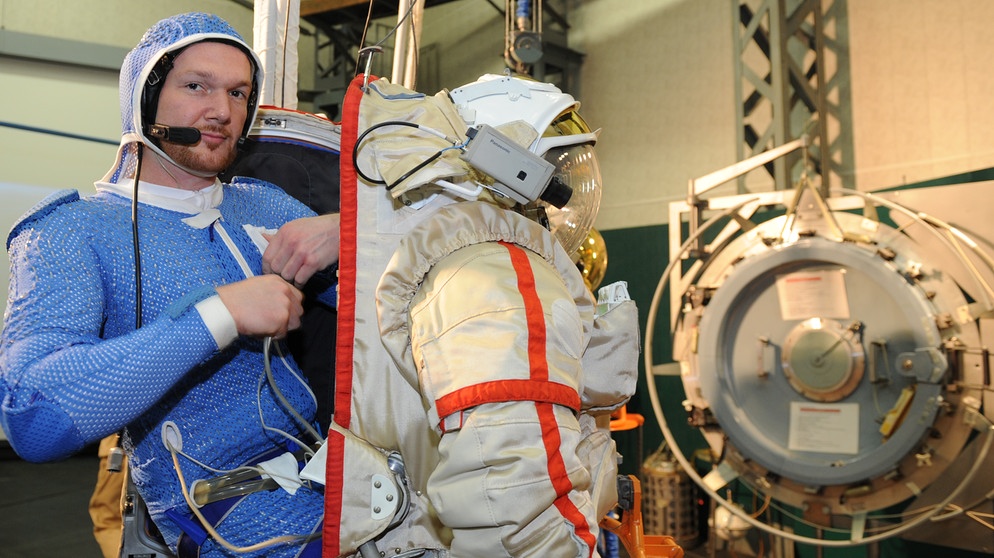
(499, 145)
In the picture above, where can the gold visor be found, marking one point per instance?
(568, 123)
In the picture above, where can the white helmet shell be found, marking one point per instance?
(563, 139)
(497, 99)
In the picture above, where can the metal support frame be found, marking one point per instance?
(337, 36)
(558, 64)
(791, 80)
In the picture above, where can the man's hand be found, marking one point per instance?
(263, 306)
(302, 247)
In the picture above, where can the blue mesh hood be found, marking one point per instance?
(167, 36)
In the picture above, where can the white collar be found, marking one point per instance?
(173, 199)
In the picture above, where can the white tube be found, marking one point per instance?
(276, 33)
(411, 69)
(406, 41)
(401, 37)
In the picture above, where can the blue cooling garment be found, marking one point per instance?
(73, 369)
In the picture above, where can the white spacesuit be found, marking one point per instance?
(473, 364)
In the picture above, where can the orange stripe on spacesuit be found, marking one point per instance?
(507, 390)
(347, 256)
(560, 477)
(334, 469)
(334, 465)
(533, 313)
(539, 366)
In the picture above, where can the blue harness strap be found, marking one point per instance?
(194, 534)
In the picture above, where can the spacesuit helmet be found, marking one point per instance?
(563, 138)
(144, 72)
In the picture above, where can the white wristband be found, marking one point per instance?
(218, 320)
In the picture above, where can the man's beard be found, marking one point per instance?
(215, 161)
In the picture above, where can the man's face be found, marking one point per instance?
(208, 89)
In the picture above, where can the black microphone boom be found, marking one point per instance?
(174, 134)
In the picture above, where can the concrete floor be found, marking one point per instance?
(43, 507)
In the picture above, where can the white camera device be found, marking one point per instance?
(519, 173)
